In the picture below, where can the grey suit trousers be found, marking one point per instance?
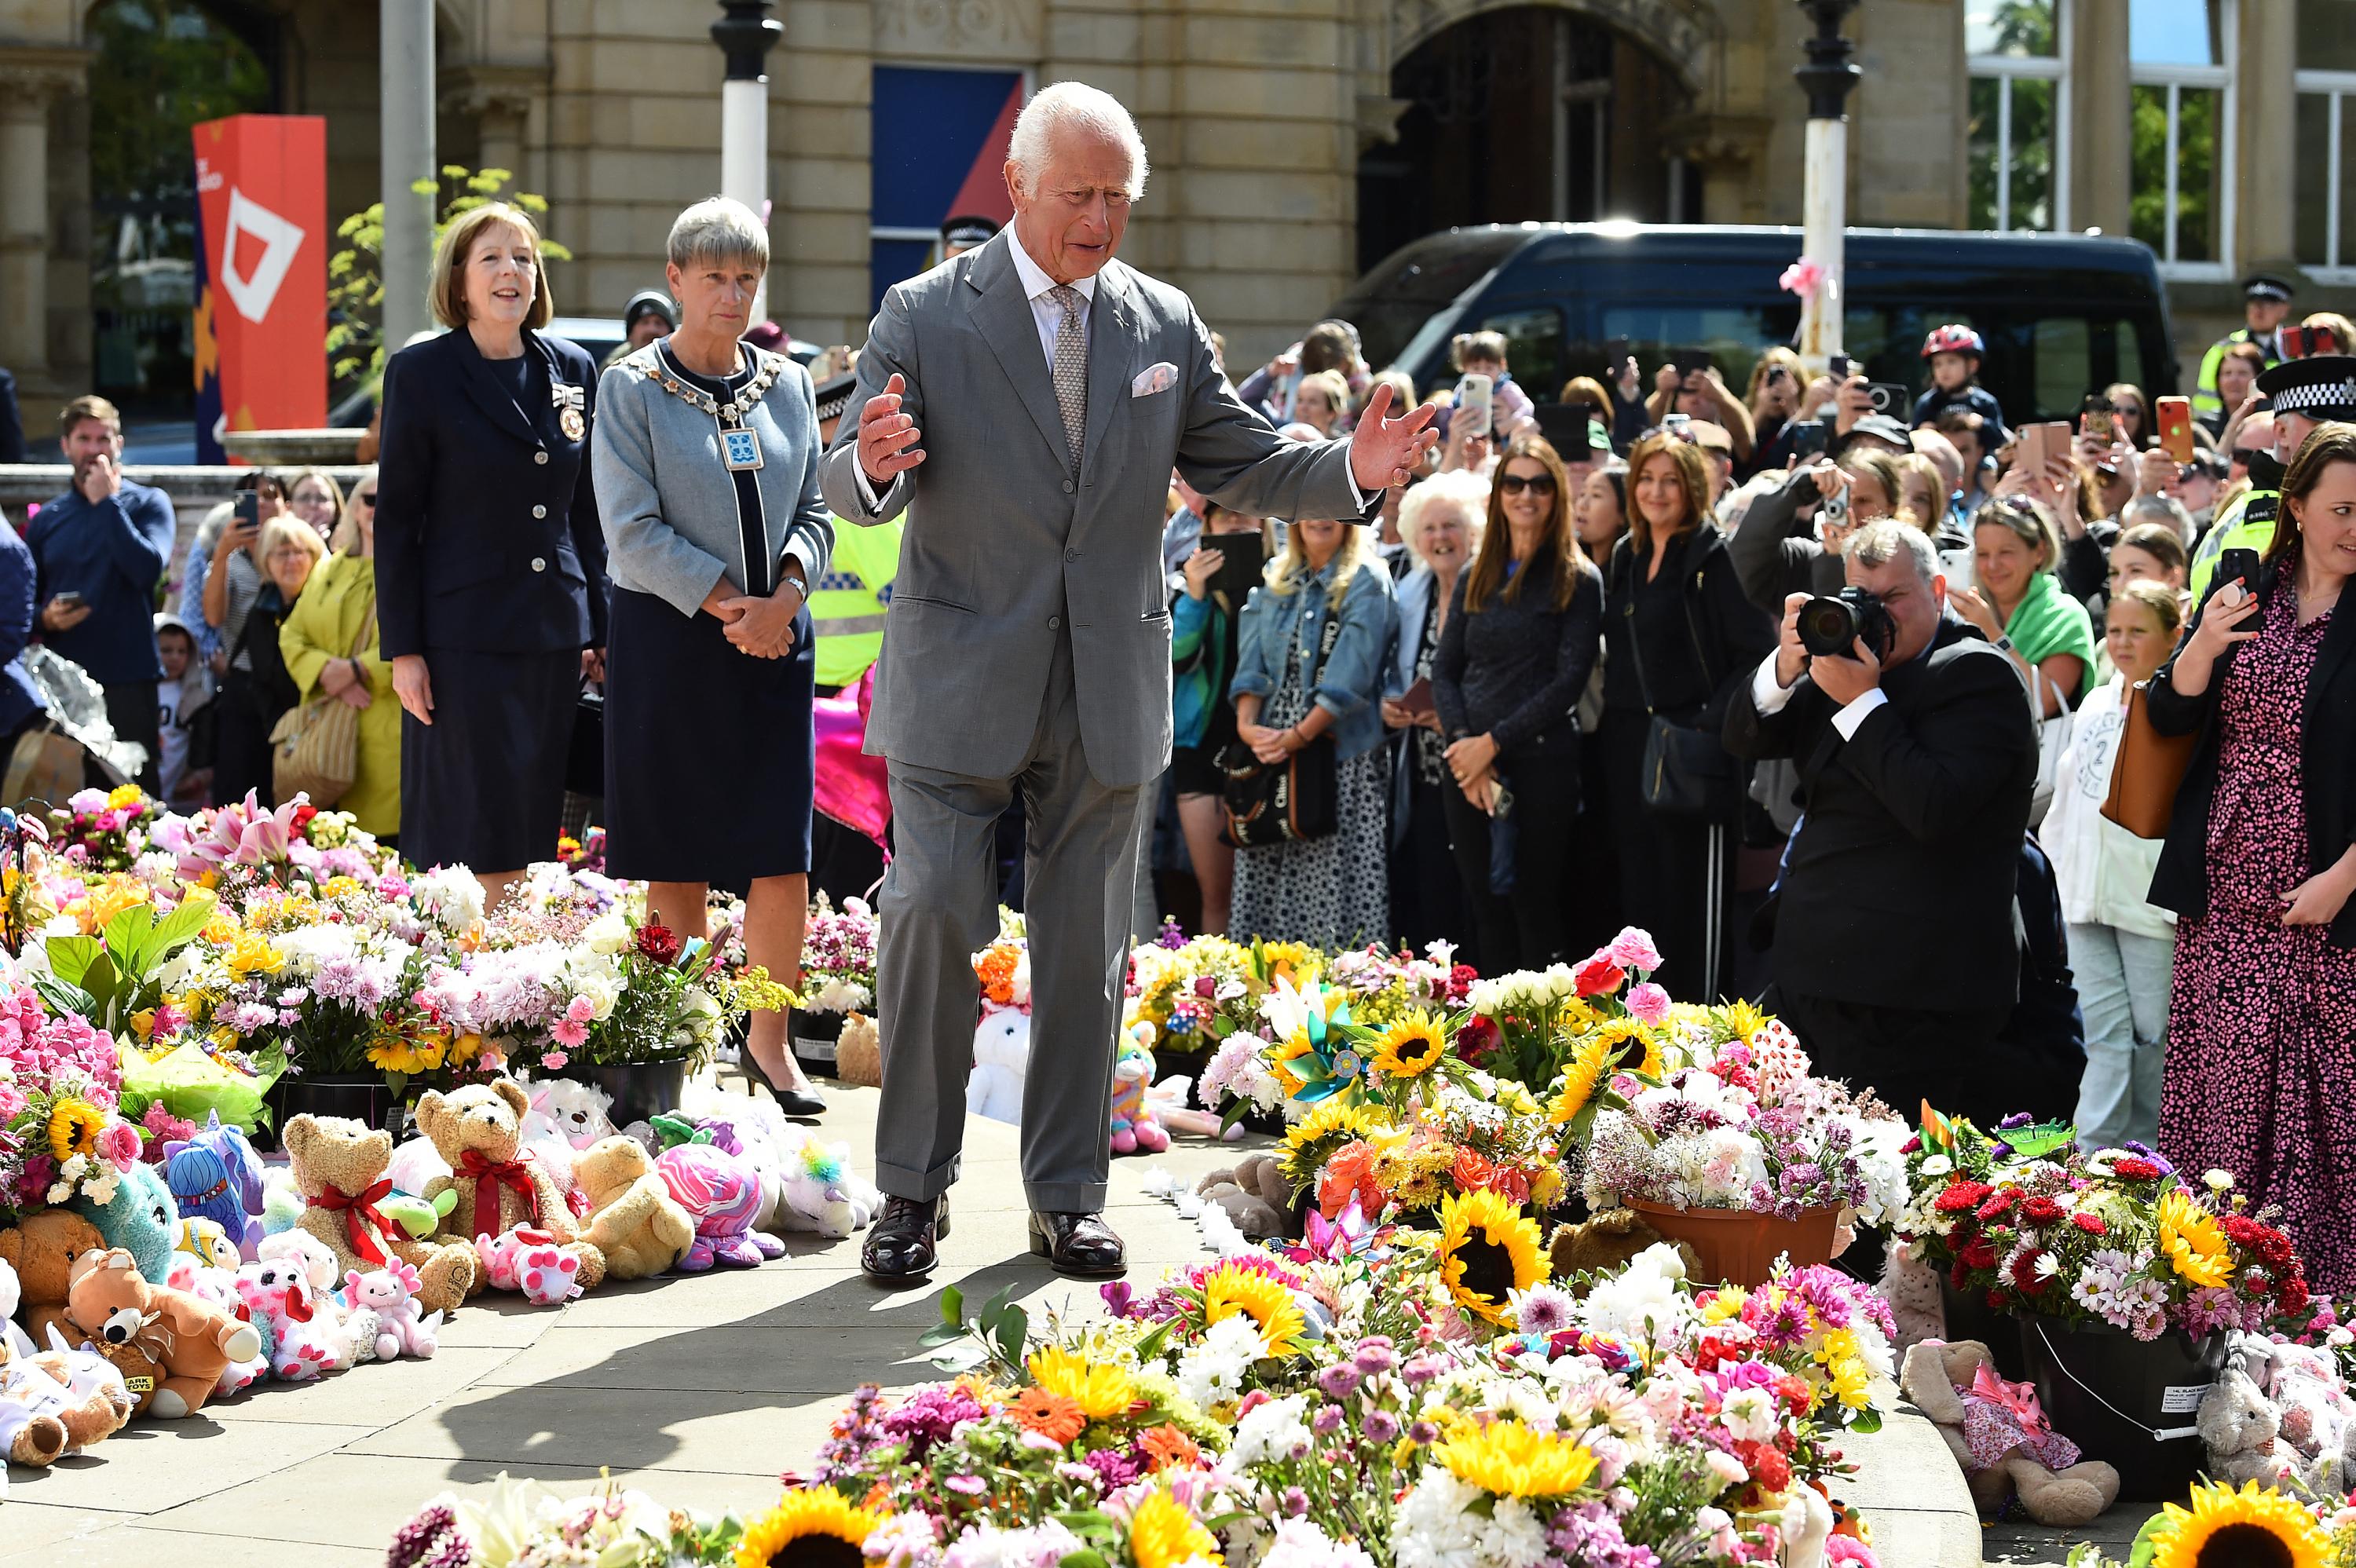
(939, 906)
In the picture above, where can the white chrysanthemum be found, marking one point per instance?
(1299, 1543)
(1271, 1431)
(1213, 1372)
(1433, 1527)
(1515, 1536)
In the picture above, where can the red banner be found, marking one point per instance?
(262, 276)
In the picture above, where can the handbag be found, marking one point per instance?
(314, 747)
(2052, 740)
(2148, 772)
(1288, 802)
(1687, 771)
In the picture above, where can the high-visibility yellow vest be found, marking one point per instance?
(847, 603)
(2247, 524)
(2206, 403)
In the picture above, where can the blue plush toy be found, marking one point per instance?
(216, 1176)
(143, 1221)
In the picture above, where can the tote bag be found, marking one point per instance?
(314, 747)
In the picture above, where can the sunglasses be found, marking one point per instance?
(364, 497)
(2242, 454)
(2127, 411)
(1515, 484)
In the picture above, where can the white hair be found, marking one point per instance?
(1460, 490)
(1880, 542)
(718, 229)
(1078, 105)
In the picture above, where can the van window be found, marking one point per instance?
(1533, 347)
(2064, 362)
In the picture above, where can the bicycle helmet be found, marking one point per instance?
(1954, 339)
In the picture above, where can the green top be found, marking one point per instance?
(2048, 622)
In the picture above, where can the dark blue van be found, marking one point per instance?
(2062, 315)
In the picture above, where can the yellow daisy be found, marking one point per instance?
(1232, 1289)
(1513, 1460)
(2189, 1237)
(1101, 1391)
(811, 1527)
(74, 1127)
(1411, 1047)
(1583, 1075)
(1488, 1250)
(1163, 1533)
(2252, 1525)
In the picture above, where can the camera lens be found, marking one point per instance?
(1827, 625)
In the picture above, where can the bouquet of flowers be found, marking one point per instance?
(61, 1133)
(1196, 994)
(103, 830)
(838, 957)
(1385, 987)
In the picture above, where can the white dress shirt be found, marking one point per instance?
(1768, 695)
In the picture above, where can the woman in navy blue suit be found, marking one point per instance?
(491, 560)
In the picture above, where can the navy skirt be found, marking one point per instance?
(483, 785)
(709, 751)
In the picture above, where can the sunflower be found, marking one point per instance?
(395, 1054)
(1616, 1032)
(1581, 1076)
(1333, 1123)
(2252, 1525)
(1052, 1415)
(1411, 1047)
(1512, 1460)
(1292, 1049)
(811, 1527)
(1488, 1250)
(1099, 1391)
(1163, 1533)
(1232, 1289)
(2189, 1235)
(74, 1127)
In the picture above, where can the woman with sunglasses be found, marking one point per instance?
(2130, 413)
(329, 642)
(1520, 638)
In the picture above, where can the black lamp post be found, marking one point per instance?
(746, 33)
(1827, 78)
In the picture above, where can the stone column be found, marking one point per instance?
(406, 123)
(30, 81)
(499, 100)
(2102, 110)
(2266, 162)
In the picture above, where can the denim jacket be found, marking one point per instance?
(1349, 685)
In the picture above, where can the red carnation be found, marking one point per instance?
(1771, 1469)
(1962, 1195)
(1997, 1207)
(1459, 981)
(2025, 1275)
(2041, 1211)
(1476, 1040)
(2293, 1296)
(2132, 1168)
(1911, 1145)
(1977, 1253)
(2089, 1223)
(302, 815)
(1597, 976)
(659, 942)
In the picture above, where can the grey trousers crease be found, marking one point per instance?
(939, 906)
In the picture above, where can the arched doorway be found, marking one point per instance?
(1526, 112)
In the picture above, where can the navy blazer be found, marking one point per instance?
(19, 697)
(487, 534)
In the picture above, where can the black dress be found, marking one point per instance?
(254, 694)
(710, 755)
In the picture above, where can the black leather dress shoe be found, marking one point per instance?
(905, 1241)
(1080, 1244)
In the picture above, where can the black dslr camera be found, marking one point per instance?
(1831, 625)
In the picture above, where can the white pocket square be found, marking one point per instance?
(1159, 378)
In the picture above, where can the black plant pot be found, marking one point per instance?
(641, 1090)
(1969, 1316)
(813, 1037)
(369, 1100)
(2113, 1395)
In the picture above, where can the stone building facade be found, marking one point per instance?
(1288, 136)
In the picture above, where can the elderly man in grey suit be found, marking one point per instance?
(1045, 389)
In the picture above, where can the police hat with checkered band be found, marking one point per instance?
(2322, 388)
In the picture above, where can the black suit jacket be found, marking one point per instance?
(487, 533)
(2326, 761)
(1901, 884)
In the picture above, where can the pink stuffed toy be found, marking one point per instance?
(721, 1193)
(1133, 1124)
(531, 1261)
(391, 1292)
(303, 1342)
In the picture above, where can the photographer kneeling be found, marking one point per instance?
(1895, 957)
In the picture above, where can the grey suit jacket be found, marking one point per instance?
(1005, 551)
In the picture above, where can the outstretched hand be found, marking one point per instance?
(1386, 449)
(887, 438)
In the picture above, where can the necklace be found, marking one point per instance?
(767, 368)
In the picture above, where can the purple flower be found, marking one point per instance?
(1423, 1431)
(1421, 1369)
(1381, 1426)
(931, 1415)
(967, 1486)
(2014, 1122)
(1118, 1470)
(1338, 1382)
(1117, 1294)
(1327, 1420)
(1296, 1502)
(1375, 1355)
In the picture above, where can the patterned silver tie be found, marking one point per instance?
(1071, 369)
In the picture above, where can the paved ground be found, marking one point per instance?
(699, 1390)
(2026, 1545)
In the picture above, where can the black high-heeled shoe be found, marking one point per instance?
(792, 1102)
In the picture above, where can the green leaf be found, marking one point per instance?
(180, 927)
(953, 1309)
(1009, 1337)
(941, 1334)
(128, 938)
(1086, 1557)
(1151, 1346)
(1867, 1422)
(71, 956)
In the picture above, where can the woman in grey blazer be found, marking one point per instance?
(706, 464)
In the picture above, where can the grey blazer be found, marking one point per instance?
(669, 503)
(1004, 547)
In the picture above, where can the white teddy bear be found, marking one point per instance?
(1002, 1057)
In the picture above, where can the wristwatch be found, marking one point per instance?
(2003, 644)
(801, 584)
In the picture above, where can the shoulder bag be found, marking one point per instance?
(2148, 772)
(2052, 740)
(1688, 772)
(314, 747)
(1287, 802)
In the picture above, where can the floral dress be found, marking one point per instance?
(2262, 1020)
(1333, 892)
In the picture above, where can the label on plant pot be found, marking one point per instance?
(2183, 1399)
(813, 1050)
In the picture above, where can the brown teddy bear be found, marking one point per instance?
(633, 1219)
(858, 1052)
(1939, 1378)
(479, 1133)
(191, 1339)
(42, 1249)
(1605, 1241)
(338, 1163)
(1255, 1195)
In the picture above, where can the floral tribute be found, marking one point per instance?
(838, 957)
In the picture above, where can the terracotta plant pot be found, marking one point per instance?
(1739, 1247)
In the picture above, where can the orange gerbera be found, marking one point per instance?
(1165, 1446)
(1052, 1415)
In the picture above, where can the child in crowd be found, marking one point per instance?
(1955, 353)
(181, 697)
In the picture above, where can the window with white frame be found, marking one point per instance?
(2326, 96)
(2180, 56)
(2017, 144)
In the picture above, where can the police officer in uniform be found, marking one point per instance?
(2266, 301)
(2302, 394)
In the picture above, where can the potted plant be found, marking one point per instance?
(838, 978)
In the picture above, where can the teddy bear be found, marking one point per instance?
(39, 1251)
(391, 1294)
(1001, 1056)
(479, 1133)
(339, 1166)
(1999, 1437)
(532, 1263)
(303, 1342)
(565, 1118)
(141, 1219)
(1605, 1241)
(1254, 1194)
(218, 1285)
(1910, 1286)
(858, 1052)
(1134, 1128)
(95, 1404)
(633, 1219)
(2240, 1426)
(2279, 1414)
(108, 1299)
(55, 1402)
